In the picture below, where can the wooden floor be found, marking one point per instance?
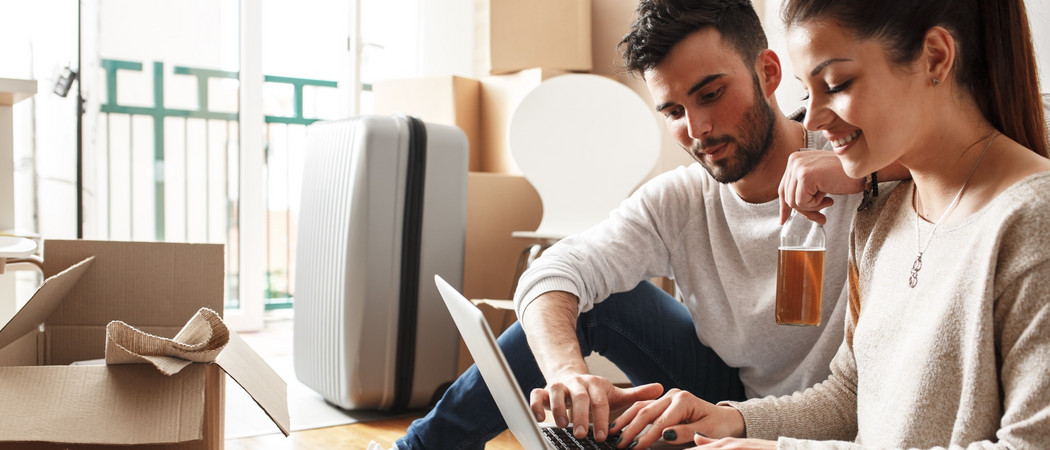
(354, 436)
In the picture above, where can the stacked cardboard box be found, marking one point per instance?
(447, 100)
(513, 35)
(497, 205)
(518, 46)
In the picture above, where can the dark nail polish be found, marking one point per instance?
(612, 424)
(670, 435)
(701, 434)
(634, 443)
(616, 440)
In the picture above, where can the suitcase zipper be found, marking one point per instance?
(411, 245)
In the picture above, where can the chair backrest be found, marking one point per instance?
(585, 142)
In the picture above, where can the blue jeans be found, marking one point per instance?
(648, 334)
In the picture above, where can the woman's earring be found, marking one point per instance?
(936, 82)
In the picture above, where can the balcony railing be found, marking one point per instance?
(171, 174)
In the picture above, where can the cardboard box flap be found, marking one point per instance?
(205, 338)
(498, 304)
(110, 405)
(146, 284)
(499, 314)
(43, 303)
(257, 378)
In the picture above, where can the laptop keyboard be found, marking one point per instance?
(562, 438)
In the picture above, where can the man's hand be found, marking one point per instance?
(590, 398)
(808, 179)
(549, 323)
(676, 418)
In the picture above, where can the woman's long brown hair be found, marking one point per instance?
(995, 58)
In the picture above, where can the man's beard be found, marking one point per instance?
(756, 135)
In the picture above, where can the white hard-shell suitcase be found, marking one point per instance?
(383, 210)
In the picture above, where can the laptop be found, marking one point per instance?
(500, 380)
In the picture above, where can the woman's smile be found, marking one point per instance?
(842, 142)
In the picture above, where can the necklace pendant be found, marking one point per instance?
(915, 268)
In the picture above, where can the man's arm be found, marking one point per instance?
(811, 176)
(549, 323)
(582, 270)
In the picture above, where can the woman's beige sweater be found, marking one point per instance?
(962, 360)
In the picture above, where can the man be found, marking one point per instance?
(713, 227)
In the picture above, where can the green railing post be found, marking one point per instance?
(203, 76)
(158, 149)
(111, 66)
(159, 112)
(297, 98)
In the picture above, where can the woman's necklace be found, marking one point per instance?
(917, 266)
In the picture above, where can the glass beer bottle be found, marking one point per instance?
(800, 272)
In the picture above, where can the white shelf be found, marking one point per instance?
(16, 247)
(14, 90)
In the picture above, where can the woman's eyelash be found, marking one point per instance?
(839, 88)
(831, 90)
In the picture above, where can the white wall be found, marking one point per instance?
(39, 39)
(1039, 20)
(447, 38)
(790, 91)
(417, 38)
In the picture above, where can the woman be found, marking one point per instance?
(948, 336)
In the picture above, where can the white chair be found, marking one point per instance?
(585, 142)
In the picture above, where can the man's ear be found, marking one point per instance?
(938, 51)
(767, 68)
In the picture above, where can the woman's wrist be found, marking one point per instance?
(739, 425)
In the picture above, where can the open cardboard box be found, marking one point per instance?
(155, 287)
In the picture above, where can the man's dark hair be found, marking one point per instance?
(660, 24)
